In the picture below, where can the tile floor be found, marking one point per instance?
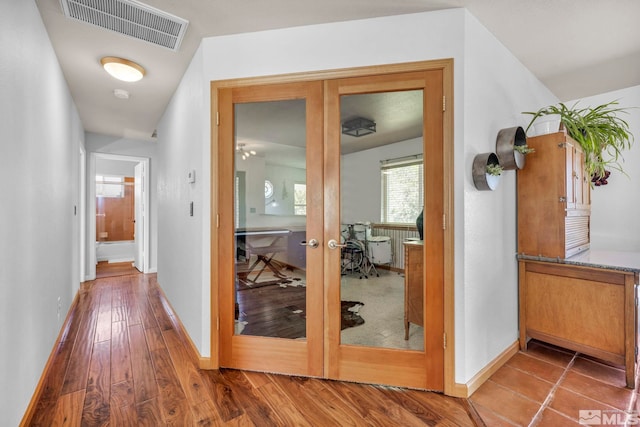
(549, 386)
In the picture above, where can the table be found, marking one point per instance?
(265, 245)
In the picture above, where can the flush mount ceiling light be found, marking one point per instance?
(122, 69)
(358, 127)
(245, 154)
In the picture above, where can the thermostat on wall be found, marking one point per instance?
(191, 176)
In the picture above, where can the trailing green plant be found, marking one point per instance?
(600, 131)
(524, 149)
(494, 169)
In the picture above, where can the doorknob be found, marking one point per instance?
(333, 244)
(313, 243)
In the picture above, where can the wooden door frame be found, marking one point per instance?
(298, 357)
(446, 65)
(422, 369)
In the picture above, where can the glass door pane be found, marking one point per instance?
(270, 219)
(375, 176)
(382, 196)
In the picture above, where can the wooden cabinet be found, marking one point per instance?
(585, 309)
(554, 198)
(413, 285)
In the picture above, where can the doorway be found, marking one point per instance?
(305, 259)
(118, 235)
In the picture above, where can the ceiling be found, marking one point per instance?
(577, 48)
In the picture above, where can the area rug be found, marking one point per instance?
(349, 314)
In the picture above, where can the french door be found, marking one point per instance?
(294, 248)
(270, 228)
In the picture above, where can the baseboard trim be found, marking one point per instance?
(458, 390)
(37, 394)
(483, 375)
(202, 362)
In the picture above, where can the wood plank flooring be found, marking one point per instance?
(110, 269)
(122, 360)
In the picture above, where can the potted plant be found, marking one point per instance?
(511, 148)
(523, 149)
(486, 171)
(600, 131)
(494, 169)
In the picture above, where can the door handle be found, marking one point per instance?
(313, 243)
(333, 244)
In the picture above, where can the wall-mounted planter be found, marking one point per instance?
(481, 179)
(506, 142)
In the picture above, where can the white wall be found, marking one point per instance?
(183, 240)
(497, 88)
(41, 136)
(283, 179)
(615, 206)
(491, 89)
(115, 167)
(105, 144)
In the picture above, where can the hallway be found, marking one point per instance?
(122, 359)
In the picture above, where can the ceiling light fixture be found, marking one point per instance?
(123, 69)
(358, 127)
(245, 154)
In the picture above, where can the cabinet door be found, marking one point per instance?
(578, 175)
(570, 175)
(584, 182)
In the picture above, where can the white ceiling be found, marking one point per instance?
(577, 48)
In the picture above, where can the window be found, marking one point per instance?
(300, 199)
(109, 186)
(268, 189)
(402, 189)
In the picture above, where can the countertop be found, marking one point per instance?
(611, 260)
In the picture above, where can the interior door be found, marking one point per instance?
(283, 260)
(270, 228)
(392, 360)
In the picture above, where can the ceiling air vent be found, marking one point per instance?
(131, 18)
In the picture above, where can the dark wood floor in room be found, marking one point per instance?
(122, 361)
(273, 311)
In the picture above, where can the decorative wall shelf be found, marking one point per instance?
(506, 142)
(481, 179)
(508, 156)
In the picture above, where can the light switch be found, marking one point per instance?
(191, 176)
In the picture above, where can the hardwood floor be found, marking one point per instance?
(122, 360)
(273, 311)
(110, 269)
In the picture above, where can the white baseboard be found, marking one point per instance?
(114, 260)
